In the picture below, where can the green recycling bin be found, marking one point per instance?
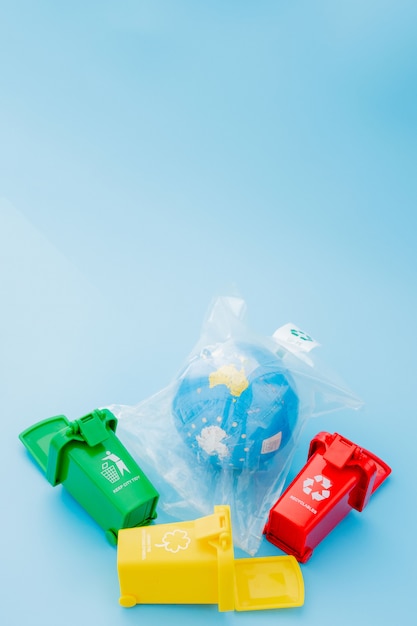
(89, 460)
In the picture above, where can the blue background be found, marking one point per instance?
(154, 155)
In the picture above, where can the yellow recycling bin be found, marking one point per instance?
(193, 563)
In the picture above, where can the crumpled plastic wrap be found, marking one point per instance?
(224, 431)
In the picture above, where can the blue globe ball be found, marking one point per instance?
(236, 406)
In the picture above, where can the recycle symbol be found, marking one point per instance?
(323, 482)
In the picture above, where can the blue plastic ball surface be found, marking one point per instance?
(236, 406)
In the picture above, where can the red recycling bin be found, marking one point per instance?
(338, 476)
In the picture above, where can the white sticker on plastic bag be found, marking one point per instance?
(291, 335)
(271, 444)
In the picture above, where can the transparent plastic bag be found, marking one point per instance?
(226, 428)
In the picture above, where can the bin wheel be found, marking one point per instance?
(127, 601)
(111, 537)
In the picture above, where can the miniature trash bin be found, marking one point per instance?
(338, 476)
(193, 562)
(89, 460)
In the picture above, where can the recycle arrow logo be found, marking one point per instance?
(323, 482)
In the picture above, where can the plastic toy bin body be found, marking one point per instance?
(193, 563)
(92, 464)
(113, 499)
(337, 477)
(168, 567)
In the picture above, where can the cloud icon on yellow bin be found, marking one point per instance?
(174, 541)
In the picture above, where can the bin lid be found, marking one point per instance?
(46, 440)
(249, 584)
(342, 453)
(268, 583)
(37, 438)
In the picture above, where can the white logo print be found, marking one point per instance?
(174, 541)
(113, 467)
(322, 482)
